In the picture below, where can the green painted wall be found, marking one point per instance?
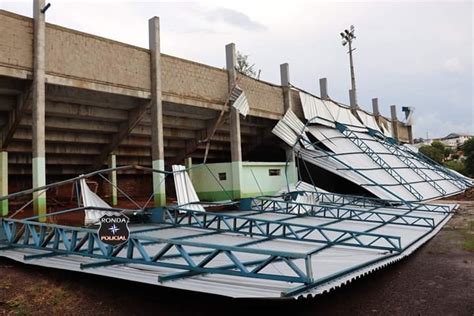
(210, 188)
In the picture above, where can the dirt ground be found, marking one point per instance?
(438, 279)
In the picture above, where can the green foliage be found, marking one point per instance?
(448, 151)
(456, 165)
(244, 66)
(468, 149)
(438, 145)
(432, 152)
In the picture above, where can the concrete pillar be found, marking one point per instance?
(38, 109)
(375, 106)
(410, 134)
(188, 164)
(393, 114)
(323, 88)
(157, 143)
(112, 163)
(409, 122)
(375, 110)
(288, 104)
(3, 182)
(235, 141)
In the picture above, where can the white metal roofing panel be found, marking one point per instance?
(290, 129)
(89, 198)
(315, 110)
(346, 117)
(368, 120)
(387, 128)
(347, 158)
(327, 264)
(241, 103)
(285, 133)
(185, 192)
(294, 122)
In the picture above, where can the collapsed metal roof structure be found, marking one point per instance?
(350, 143)
(298, 243)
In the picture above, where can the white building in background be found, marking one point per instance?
(453, 140)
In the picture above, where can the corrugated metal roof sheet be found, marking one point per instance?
(332, 266)
(240, 101)
(327, 112)
(185, 192)
(368, 120)
(365, 157)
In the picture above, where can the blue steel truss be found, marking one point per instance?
(406, 157)
(281, 230)
(66, 240)
(430, 163)
(360, 143)
(191, 258)
(345, 199)
(340, 212)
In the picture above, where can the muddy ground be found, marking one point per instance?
(438, 279)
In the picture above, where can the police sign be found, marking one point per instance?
(113, 229)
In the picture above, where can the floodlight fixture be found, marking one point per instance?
(45, 8)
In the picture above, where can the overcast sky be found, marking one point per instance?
(416, 54)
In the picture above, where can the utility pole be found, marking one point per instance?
(347, 38)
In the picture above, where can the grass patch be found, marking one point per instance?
(468, 237)
(58, 297)
(19, 306)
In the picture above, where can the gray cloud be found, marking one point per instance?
(234, 18)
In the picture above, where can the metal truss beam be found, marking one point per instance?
(180, 216)
(345, 199)
(340, 212)
(426, 161)
(360, 143)
(85, 242)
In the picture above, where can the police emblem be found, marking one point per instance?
(113, 229)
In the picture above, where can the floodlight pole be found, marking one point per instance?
(353, 80)
(347, 38)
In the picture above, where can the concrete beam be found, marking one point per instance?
(23, 103)
(157, 149)
(38, 106)
(181, 110)
(323, 88)
(124, 131)
(66, 137)
(62, 109)
(82, 96)
(65, 149)
(73, 125)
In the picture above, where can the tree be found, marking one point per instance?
(448, 151)
(244, 66)
(456, 165)
(433, 152)
(439, 145)
(468, 149)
